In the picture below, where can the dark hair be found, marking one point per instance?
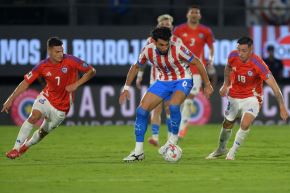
(194, 7)
(163, 33)
(54, 41)
(270, 48)
(245, 40)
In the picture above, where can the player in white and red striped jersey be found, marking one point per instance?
(164, 20)
(174, 84)
(243, 83)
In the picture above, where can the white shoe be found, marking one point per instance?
(231, 155)
(217, 153)
(132, 157)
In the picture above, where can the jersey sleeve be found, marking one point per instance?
(80, 64)
(261, 68)
(209, 37)
(142, 60)
(185, 54)
(33, 74)
(232, 57)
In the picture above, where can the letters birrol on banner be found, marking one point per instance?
(279, 37)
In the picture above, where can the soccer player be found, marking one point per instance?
(60, 72)
(243, 84)
(175, 82)
(194, 36)
(164, 20)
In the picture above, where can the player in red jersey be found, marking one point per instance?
(243, 83)
(60, 72)
(194, 36)
(164, 20)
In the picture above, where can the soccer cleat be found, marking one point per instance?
(231, 155)
(153, 142)
(132, 157)
(23, 149)
(12, 154)
(217, 153)
(182, 133)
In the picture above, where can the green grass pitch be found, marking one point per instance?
(89, 159)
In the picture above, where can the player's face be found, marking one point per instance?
(55, 54)
(162, 46)
(193, 15)
(166, 23)
(244, 51)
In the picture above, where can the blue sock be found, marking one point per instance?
(155, 129)
(175, 117)
(168, 123)
(141, 124)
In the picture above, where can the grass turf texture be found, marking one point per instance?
(89, 159)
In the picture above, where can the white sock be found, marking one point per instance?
(225, 135)
(139, 148)
(36, 137)
(186, 113)
(168, 135)
(173, 139)
(240, 137)
(155, 137)
(23, 134)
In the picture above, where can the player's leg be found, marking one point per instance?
(168, 121)
(35, 115)
(188, 105)
(155, 125)
(250, 110)
(231, 113)
(148, 102)
(180, 91)
(54, 119)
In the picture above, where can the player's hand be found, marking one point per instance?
(71, 87)
(208, 90)
(6, 106)
(224, 90)
(125, 94)
(283, 113)
(138, 82)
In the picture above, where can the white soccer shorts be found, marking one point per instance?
(53, 116)
(237, 107)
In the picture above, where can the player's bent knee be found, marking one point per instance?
(228, 124)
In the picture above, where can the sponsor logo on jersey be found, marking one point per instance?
(22, 106)
(64, 70)
(48, 74)
(42, 101)
(200, 35)
(201, 110)
(29, 75)
(85, 65)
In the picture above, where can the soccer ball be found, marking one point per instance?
(172, 153)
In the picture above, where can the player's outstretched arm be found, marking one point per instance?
(18, 90)
(140, 77)
(208, 90)
(279, 97)
(86, 77)
(130, 77)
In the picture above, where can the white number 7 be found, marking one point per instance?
(58, 80)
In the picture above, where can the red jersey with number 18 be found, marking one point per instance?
(247, 78)
(57, 77)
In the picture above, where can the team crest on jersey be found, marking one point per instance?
(185, 35)
(29, 75)
(48, 74)
(64, 69)
(200, 35)
(85, 65)
(250, 73)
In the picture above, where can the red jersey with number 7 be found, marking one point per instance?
(247, 78)
(57, 77)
